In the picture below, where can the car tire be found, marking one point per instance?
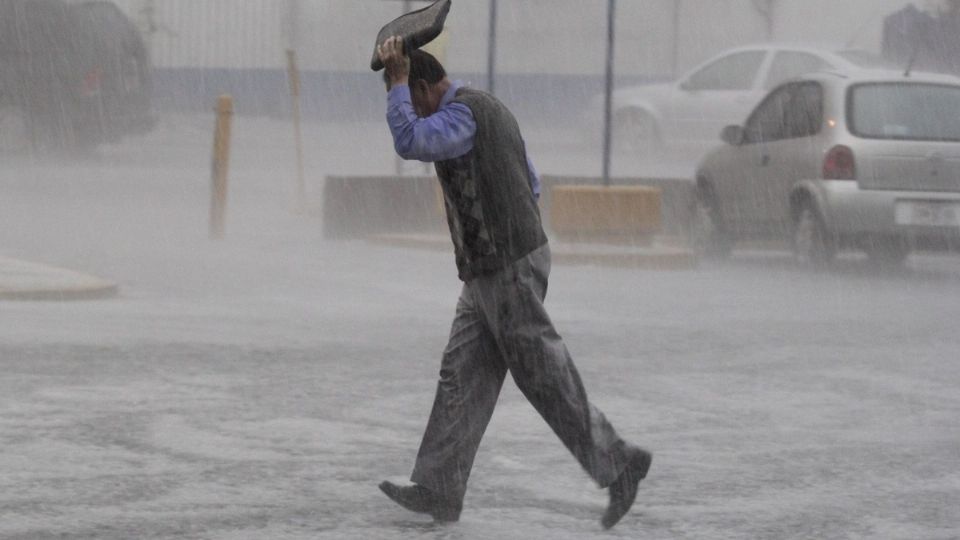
(812, 244)
(16, 131)
(636, 131)
(707, 234)
(888, 251)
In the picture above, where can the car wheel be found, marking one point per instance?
(636, 132)
(888, 251)
(811, 242)
(16, 134)
(708, 235)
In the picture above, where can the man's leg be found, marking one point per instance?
(471, 376)
(512, 303)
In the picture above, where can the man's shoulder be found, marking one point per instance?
(467, 92)
(475, 99)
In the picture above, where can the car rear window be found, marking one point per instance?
(905, 111)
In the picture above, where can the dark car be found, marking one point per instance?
(119, 56)
(70, 75)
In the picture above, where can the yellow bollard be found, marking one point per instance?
(221, 158)
(294, 75)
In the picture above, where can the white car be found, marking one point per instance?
(867, 160)
(719, 92)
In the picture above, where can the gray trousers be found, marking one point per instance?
(501, 326)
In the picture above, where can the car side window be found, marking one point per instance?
(767, 124)
(804, 113)
(791, 111)
(790, 64)
(734, 72)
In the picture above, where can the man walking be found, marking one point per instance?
(490, 193)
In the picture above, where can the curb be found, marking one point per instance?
(653, 257)
(28, 281)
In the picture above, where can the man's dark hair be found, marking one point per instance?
(423, 65)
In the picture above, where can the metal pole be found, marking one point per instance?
(293, 23)
(397, 160)
(492, 48)
(608, 101)
(293, 73)
(677, 4)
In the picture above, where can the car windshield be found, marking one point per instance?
(905, 111)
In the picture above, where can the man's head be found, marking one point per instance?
(428, 82)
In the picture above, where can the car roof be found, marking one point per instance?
(829, 49)
(858, 76)
(793, 46)
(834, 52)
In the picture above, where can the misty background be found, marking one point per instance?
(262, 385)
(544, 47)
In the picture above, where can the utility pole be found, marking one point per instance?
(294, 12)
(767, 9)
(492, 48)
(608, 99)
(677, 5)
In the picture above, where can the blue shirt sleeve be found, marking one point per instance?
(446, 134)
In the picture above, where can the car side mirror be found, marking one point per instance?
(733, 135)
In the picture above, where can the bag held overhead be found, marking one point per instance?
(417, 28)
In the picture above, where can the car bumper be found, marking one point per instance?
(860, 214)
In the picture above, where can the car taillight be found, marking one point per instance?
(92, 82)
(839, 164)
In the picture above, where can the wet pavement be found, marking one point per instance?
(262, 386)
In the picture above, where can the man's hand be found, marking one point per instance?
(397, 63)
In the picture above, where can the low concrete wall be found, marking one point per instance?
(358, 206)
(614, 214)
(676, 197)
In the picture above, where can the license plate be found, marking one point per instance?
(928, 213)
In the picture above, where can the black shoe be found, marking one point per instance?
(623, 490)
(417, 498)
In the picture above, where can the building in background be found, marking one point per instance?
(552, 48)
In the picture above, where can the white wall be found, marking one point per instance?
(535, 36)
(858, 23)
(213, 33)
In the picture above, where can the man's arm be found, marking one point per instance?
(446, 134)
(395, 62)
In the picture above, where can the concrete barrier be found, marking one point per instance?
(676, 198)
(360, 206)
(609, 226)
(614, 214)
